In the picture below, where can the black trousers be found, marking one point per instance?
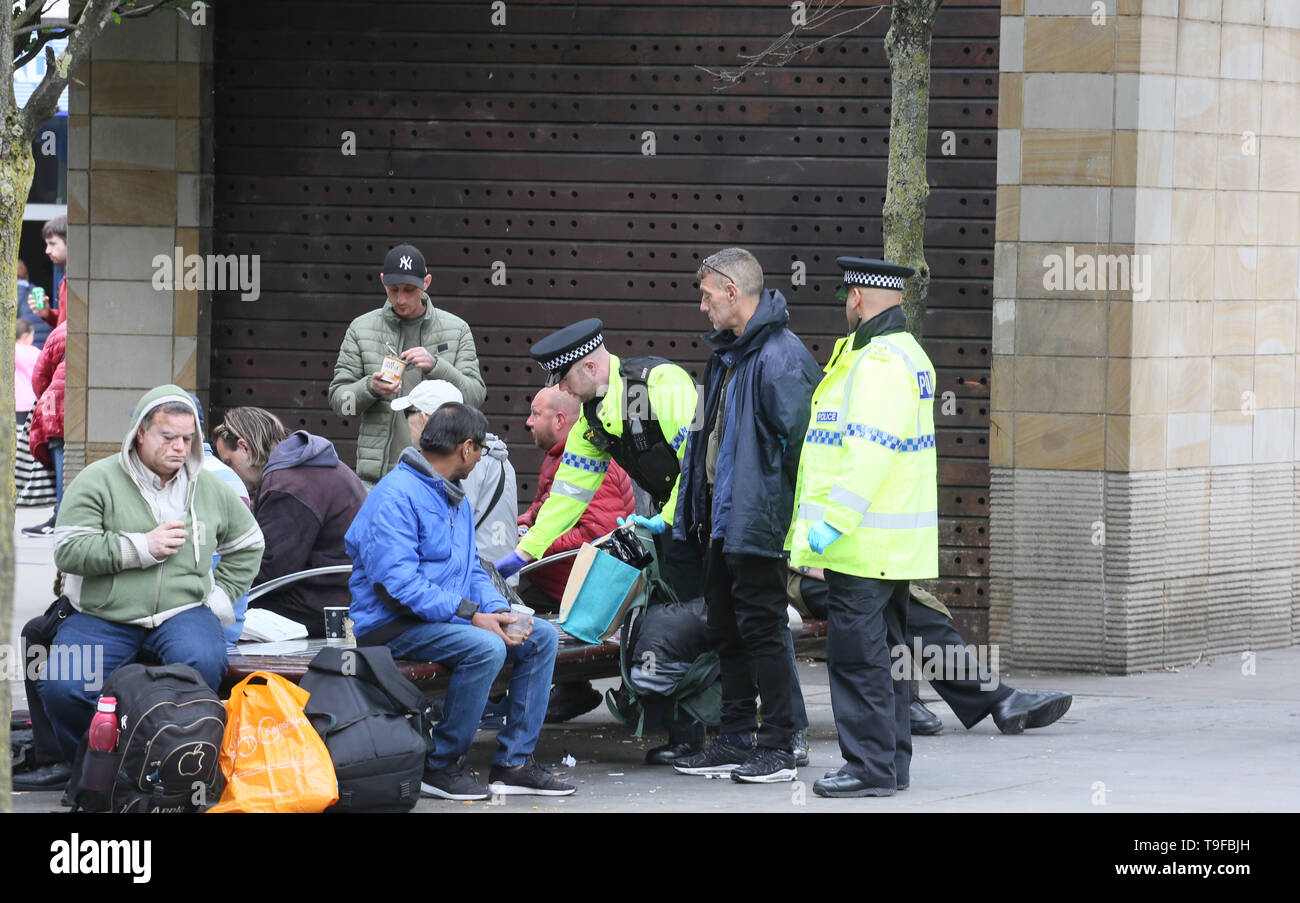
(45, 744)
(966, 697)
(746, 604)
(868, 618)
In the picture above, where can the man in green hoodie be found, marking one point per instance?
(135, 536)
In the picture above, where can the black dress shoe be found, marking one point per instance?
(840, 785)
(47, 777)
(924, 722)
(571, 700)
(831, 774)
(667, 755)
(1026, 708)
(1048, 708)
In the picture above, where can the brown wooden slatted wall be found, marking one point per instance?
(523, 144)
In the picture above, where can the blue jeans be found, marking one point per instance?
(475, 657)
(192, 638)
(56, 458)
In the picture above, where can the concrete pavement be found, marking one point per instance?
(1212, 738)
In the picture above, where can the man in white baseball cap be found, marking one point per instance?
(490, 487)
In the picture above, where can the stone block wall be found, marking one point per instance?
(139, 185)
(1144, 438)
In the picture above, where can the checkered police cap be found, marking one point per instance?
(560, 350)
(872, 273)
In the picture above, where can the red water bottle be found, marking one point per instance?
(102, 740)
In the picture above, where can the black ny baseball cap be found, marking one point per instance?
(404, 265)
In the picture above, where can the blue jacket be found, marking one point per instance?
(768, 403)
(413, 541)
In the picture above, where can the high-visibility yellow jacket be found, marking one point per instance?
(868, 466)
(673, 398)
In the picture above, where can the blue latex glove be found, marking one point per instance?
(510, 564)
(654, 524)
(821, 536)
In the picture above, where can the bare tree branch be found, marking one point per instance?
(45, 99)
(6, 61)
(34, 9)
(790, 44)
(146, 10)
(44, 26)
(34, 50)
(53, 31)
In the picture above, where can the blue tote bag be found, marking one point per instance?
(598, 595)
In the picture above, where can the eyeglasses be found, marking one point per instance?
(720, 273)
(480, 445)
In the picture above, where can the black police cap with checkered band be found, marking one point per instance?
(873, 273)
(560, 350)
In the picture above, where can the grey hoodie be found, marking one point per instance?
(494, 530)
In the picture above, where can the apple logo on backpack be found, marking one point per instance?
(191, 763)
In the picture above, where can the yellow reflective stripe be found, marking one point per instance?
(560, 487)
(811, 512)
(912, 521)
(851, 500)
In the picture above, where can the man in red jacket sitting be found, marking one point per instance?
(553, 415)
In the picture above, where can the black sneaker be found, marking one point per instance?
(718, 758)
(801, 748)
(767, 765)
(45, 529)
(452, 782)
(530, 779)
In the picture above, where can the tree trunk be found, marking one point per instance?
(16, 168)
(906, 189)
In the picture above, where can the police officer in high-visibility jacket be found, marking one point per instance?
(637, 412)
(866, 511)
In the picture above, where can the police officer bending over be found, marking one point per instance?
(636, 412)
(867, 512)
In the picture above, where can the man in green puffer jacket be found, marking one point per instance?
(433, 344)
(136, 534)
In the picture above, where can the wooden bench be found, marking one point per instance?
(575, 661)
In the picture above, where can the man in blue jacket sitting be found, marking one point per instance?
(417, 587)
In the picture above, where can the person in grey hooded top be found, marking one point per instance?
(136, 535)
(490, 486)
(304, 499)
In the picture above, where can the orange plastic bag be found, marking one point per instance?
(273, 759)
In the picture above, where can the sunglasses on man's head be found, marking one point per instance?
(720, 273)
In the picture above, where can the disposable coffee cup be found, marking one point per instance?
(522, 625)
(335, 628)
(392, 370)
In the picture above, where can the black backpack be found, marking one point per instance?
(169, 730)
(374, 722)
(643, 450)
